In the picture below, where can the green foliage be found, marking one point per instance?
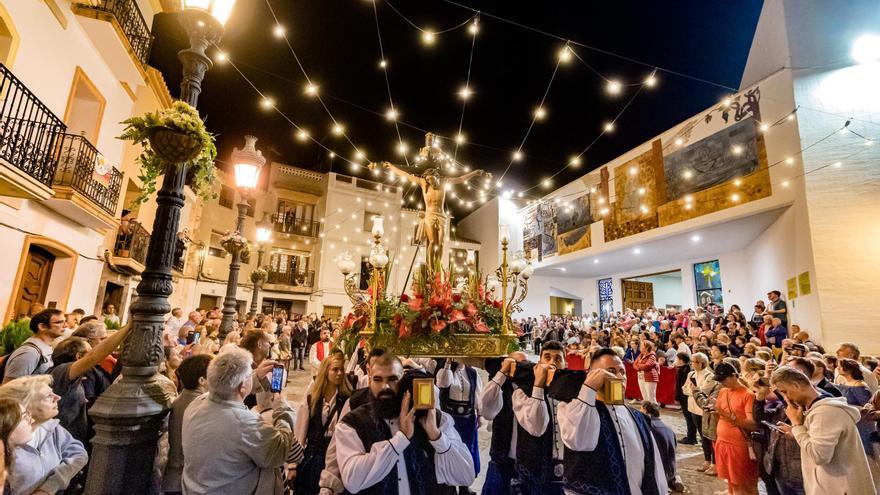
(182, 118)
(14, 333)
(111, 325)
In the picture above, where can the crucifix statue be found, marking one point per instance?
(432, 227)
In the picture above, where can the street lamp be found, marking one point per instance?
(258, 276)
(246, 163)
(130, 413)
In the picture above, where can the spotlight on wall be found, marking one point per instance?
(866, 48)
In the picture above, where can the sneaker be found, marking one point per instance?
(687, 441)
(678, 487)
(711, 471)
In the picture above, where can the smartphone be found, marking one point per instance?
(276, 383)
(197, 336)
(772, 427)
(190, 337)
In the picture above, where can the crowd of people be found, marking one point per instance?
(767, 405)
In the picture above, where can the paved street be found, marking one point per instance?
(689, 457)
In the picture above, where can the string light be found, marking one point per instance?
(679, 142)
(302, 135)
(311, 89)
(221, 56)
(540, 113)
(279, 31)
(517, 155)
(575, 161)
(737, 150)
(332, 155)
(633, 171)
(474, 28)
(383, 64)
(359, 155)
(785, 183)
(428, 37)
(267, 103)
(614, 87)
(546, 183)
(651, 81)
(391, 114)
(565, 54)
(465, 92)
(609, 127)
(459, 138)
(789, 160)
(837, 164)
(338, 129)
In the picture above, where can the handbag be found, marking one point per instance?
(752, 455)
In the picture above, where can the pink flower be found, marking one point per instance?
(481, 327)
(437, 325)
(456, 315)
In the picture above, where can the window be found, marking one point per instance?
(332, 312)
(606, 298)
(227, 196)
(707, 279)
(215, 248)
(85, 107)
(368, 220)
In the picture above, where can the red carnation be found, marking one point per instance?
(404, 298)
(456, 297)
(497, 304)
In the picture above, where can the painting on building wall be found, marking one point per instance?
(532, 245)
(573, 240)
(575, 217)
(606, 298)
(530, 226)
(730, 153)
(546, 219)
(707, 280)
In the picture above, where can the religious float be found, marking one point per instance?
(440, 315)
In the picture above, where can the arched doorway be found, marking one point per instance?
(8, 38)
(45, 274)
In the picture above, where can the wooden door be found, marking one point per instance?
(34, 281)
(637, 295)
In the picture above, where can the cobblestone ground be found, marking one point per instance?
(689, 457)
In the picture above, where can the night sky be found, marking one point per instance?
(337, 44)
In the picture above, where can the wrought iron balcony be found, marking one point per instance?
(82, 168)
(131, 21)
(130, 249)
(29, 132)
(296, 226)
(305, 280)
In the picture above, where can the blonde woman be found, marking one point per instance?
(317, 417)
(702, 391)
(52, 457)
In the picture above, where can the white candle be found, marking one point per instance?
(505, 233)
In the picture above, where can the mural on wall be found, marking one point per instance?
(547, 223)
(723, 156)
(575, 217)
(606, 298)
(573, 240)
(707, 280)
(742, 105)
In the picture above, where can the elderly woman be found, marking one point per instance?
(227, 448)
(702, 391)
(16, 428)
(648, 370)
(52, 457)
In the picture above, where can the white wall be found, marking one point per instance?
(667, 288)
(537, 301)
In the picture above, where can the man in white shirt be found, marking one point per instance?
(320, 350)
(382, 442)
(608, 448)
(175, 321)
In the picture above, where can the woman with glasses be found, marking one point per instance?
(52, 457)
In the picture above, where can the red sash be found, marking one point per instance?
(320, 351)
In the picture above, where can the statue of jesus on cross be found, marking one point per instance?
(432, 228)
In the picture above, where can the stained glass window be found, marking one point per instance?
(606, 298)
(707, 281)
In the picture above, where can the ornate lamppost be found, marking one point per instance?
(258, 276)
(246, 163)
(378, 260)
(129, 414)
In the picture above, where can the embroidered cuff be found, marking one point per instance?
(399, 442)
(538, 393)
(587, 396)
(499, 378)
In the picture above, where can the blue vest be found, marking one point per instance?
(603, 470)
(534, 455)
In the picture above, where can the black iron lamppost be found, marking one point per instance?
(246, 163)
(129, 414)
(258, 276)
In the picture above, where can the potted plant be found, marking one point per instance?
(174, 136)
(259, 275)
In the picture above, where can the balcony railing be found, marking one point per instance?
(28, 129)
(132, 243)
(79, 164)
(132, 22)
(292, 278)
(298, 226)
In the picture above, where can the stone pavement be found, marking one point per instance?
(689, 457)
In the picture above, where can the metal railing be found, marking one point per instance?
(77, 160)
(132, 242)
(292, 278)
(298, 226)
(28, 129)
(131, 20)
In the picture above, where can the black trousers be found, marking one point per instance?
(297, 358)
(708, 445)
(689, 420)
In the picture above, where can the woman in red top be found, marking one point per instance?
(574, 357)
(734, 459)
(649, 372)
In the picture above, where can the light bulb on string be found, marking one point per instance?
(279, 31)
(311, 89)
(338, 129)
(575, 161)
(267, 102)
(221, 57)
(474, 28)
(546, 183)
(609, 127)
(614, 87)
(332, 155)
(651, 81)
(564, 54)
(359, 155)
(302, 135)
(465, 92)
(428, 37)
(402, 148)
(383, 63)
(540, 113)
(391, 114)
(517, 155)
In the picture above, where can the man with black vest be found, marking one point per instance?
(383, 448)
(495, 404)
(538, 444)
(608, 448)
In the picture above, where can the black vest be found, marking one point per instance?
(456, 407)
(309, 471)
(603, 470)
(534, 455)
(358, 398)
(502, 426)
(418, 456)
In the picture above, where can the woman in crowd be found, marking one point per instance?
(857, 393)
(172, 361)
(52, 457)
(16, 428)
(648, 370)
(316, 420)
(702, 391)
(734, 460)
(632, 351)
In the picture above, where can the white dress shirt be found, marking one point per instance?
(490, 402)
(313, 355)
(579, 424)
(362, 469)
(531, 412)
(458, 384)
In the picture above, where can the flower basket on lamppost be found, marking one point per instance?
(246, 163)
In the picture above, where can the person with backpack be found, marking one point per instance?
(34, 355)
